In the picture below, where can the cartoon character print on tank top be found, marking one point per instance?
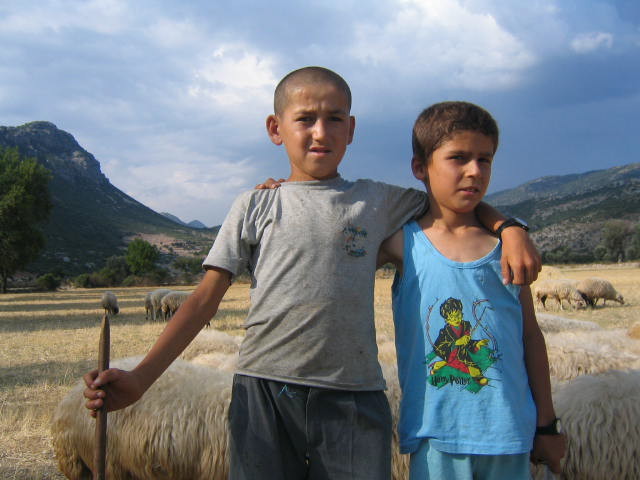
(462, 352)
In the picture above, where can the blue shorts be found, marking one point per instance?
(427, 463)
(295, 432)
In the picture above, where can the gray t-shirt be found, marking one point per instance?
(311, 248)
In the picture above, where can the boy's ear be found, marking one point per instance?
(273, 129)
(352, 128)
(419, 168)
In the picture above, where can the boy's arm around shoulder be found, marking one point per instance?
(521, 261)
(119, 388)
(548, 449)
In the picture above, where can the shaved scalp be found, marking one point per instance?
(307, 76)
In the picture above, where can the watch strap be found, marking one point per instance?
(510, 222)
(551, 429)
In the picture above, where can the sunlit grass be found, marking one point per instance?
(49, 340)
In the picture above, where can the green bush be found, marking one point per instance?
(48, 281)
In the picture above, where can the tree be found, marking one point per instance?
(115, 270)
(141, 256)
(615, 235)
(24, 203)
(633, 250)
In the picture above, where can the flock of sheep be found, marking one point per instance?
(582, 293)
(178, 430)
(159, 304)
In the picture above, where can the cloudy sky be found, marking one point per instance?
(171, 96)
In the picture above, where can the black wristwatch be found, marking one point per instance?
(554, 428)
(512, 222)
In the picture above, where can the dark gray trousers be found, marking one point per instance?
(284, 431)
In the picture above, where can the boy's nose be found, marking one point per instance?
(473, 168)
(319, 129)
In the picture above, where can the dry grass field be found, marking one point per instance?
(48, 340)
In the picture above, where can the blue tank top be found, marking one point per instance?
(460, 354)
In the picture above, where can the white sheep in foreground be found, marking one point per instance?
(559, 289)
(576, 352)
(109, 302)
(156, 298)
(178, 429)
(601, 417)
(595, 289)
(172, 301)
(553, 323)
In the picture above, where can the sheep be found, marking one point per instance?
(600, 415)
(177, 430)
(171, 302)
(553, 323)
(575, 352)
(109, 302)
(595, 288)
(211, 342)
(560, 289)
(156, 298)
(148, 306)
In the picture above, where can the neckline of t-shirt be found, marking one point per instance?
(417, 231)
(329, 183)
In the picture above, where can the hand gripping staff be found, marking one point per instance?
(100, 445)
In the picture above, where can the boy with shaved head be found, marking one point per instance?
(307, 400)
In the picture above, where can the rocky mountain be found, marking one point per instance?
(570, 210)
(91, 219)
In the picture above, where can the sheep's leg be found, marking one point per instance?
(543, 300)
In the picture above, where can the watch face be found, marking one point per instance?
(521, 221)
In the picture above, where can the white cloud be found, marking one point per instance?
(36, 17)
(233, 75)
(588, 42)
(169, 175)
(445, 43)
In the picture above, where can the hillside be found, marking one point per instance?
(570, 210)
(91, 219)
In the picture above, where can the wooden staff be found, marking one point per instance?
(100, 451)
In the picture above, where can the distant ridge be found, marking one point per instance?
(571, 210)
(91, 219)
(193, 224)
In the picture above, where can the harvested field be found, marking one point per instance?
(48, 340)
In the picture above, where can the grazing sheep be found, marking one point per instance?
(601, 417)
(171, 302)
(148, 306)
(559, 289)
(109, 302)
(595, 288)
(156, 298)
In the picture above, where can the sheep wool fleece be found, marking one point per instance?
(460, 354)
(310, 249)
